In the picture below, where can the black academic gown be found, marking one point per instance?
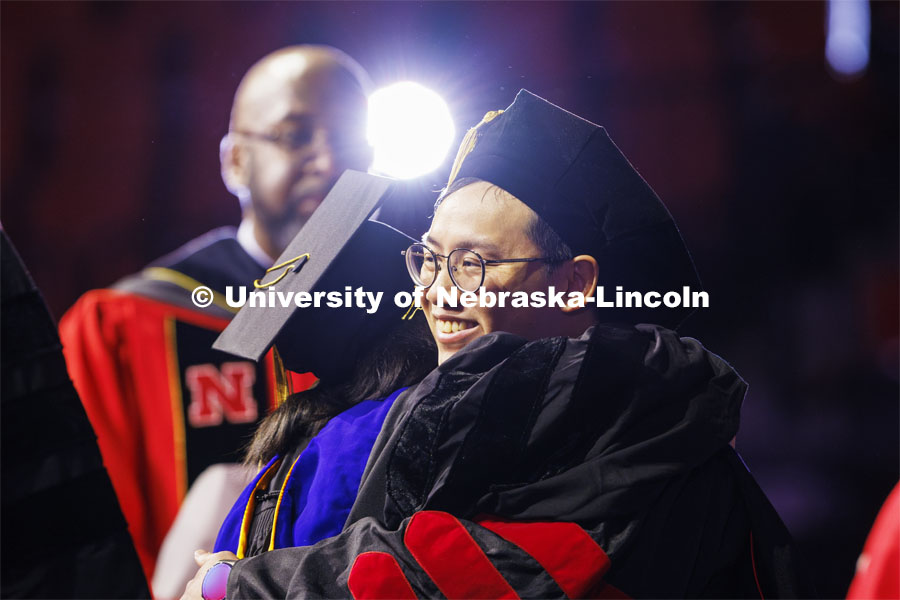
(596, 466)
(63, 533)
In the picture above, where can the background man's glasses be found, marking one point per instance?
(291, 140)
(466, 266)
(296, 139)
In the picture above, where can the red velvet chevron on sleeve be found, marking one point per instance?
(568, 554)
(453, 560)
(377, 576)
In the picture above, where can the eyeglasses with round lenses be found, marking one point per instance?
(290, 140)
(466, 266)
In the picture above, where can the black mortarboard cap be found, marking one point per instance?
(341, 245)
(573, 176)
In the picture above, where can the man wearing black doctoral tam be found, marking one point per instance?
(557, 450)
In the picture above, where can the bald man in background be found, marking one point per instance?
(298, 122)
(164, 405)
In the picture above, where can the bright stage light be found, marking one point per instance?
(410, 129)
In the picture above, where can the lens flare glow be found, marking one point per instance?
(847, 41)
(410, 129)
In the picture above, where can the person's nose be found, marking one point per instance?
(321, 159)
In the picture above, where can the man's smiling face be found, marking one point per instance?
(486, 219)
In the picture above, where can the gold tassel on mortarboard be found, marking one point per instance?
(283, 386)
(468, 144)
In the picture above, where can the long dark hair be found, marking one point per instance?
(406, 354)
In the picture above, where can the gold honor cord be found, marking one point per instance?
(302, 258)
(247, 519)
(278, 503)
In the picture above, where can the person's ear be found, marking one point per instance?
(234, 159)
(582, 276)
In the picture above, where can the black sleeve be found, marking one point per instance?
(432, 554)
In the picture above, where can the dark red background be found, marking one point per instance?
(783, 178)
